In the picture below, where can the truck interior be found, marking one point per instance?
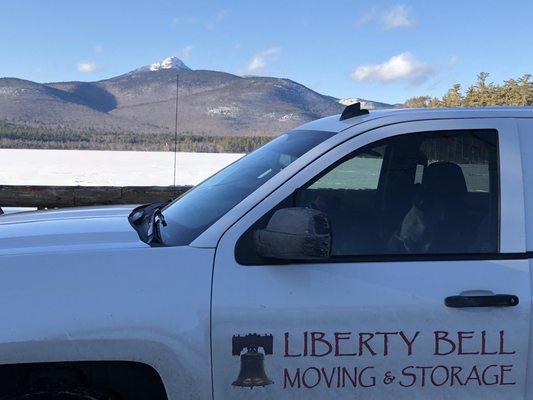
(434, 192)
(423, 193)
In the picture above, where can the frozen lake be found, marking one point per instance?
(107, 168)
(136, 168)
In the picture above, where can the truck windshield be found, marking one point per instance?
(191, 214)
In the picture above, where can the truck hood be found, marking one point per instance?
(68, 229)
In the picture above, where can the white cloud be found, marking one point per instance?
(98, 48)
(258, 63)
(369, 16)
(86, 66)
(454, 60)
(397, 17)
(184, 19)
(403, 67)
(186, 51)
(218, 18)
(222, 15)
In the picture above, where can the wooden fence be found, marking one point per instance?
(73, 196)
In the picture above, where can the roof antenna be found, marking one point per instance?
(176, 133)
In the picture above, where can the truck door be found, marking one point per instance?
(426, 293)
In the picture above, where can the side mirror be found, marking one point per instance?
(295, 233)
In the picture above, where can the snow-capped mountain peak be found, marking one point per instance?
(168, 63)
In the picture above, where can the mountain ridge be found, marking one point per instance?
(143, 101)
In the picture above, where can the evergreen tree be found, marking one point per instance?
(513, 92)
(418, 102)
(454, 97)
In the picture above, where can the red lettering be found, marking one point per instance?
(484, 344)
(474, 375)
(423, 369)
(434, 381)
(406, 373)
(484, 376)
(502, 344)
(319, 337)
(372, 381)
(325, 375)
(443, 336)
(386, 341)
(286, 335)
(364, 343)
(292, 382)
(353, 380)
(463, 336)
(455, 375)
(408, 342)
(304, 377)
(338, 337)
(504, 369)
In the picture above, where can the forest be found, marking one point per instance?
(512, 92)
(22, 137)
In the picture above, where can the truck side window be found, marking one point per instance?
(436, 192)
(422, 193)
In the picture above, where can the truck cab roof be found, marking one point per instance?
(334, 124)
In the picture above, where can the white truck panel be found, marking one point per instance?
(122, 302)
(525, 129)
(373, 297)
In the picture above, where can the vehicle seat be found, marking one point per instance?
(438, 220)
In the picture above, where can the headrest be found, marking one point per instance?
(444, 179)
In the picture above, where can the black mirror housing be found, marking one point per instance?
(296, 233)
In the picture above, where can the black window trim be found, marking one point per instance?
(400, 258)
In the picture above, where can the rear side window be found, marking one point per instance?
(469, 151)
(422, 193)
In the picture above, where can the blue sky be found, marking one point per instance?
(380, 50)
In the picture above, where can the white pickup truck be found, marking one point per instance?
(381, 255)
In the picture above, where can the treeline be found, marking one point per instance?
(513, 92)
(12, 136)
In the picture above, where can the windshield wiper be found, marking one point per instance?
(146, 220)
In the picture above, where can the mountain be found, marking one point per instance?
(143, 101)
(368, 104)
(169, 63)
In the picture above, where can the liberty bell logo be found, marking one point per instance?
(252, 372)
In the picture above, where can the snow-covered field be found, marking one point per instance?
(107, 168)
